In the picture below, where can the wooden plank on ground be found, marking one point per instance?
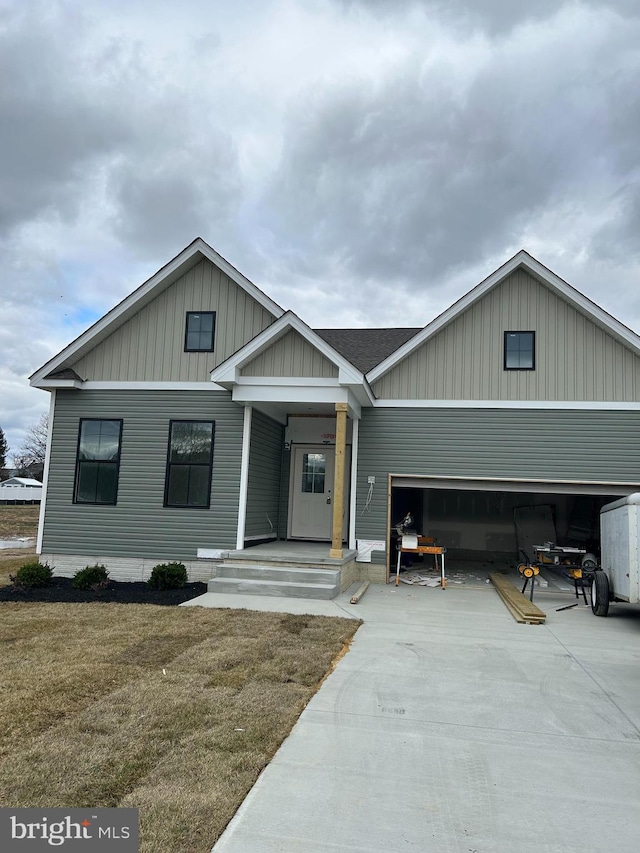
(518, 604)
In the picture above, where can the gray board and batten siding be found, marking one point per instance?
(263, 490)
(576, 359)
(139, 525)
(291, 355)
(150, 345)
(576, 446)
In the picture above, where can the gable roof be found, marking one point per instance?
(365, 348)
(130, 305)
(226, 372)
(528, 262)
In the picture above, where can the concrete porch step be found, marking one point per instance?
(289, 589)
(282, 573)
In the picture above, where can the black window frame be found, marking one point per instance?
(101, 462)
(533, 348)
(170, 464)
(190, 314)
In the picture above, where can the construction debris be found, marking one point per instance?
(355, 598)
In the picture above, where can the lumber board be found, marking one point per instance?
(360, 592)
(518, 604)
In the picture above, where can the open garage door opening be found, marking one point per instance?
(487, 524)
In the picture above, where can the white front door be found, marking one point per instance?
(311, 492)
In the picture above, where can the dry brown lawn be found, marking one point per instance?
(21, 520)
(171, 710)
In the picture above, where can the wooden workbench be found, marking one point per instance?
(426, 548)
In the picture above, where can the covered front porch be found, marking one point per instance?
(302, 403)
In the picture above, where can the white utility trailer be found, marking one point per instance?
(618, 578)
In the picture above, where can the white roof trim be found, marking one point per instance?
(130, 304)
(48, 384)
(522, 259)
(142, 385)
(554, 405)
(307, 394)
(228, 372)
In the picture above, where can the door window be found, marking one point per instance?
(313, 472)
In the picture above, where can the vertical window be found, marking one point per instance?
(199, 331)
(189, 463)
(313, 472)
(519, 350)
(98, 461)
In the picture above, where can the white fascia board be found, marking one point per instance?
(289, 394)
(522, 259)
(293, 381)
(169, 273)
(301, 394)
(362, 393)
(124, 385)
(236, 276)
(348, 375)
(355, 409)
(51, 384)
(228, 370)
(588, 405)
(581, 301)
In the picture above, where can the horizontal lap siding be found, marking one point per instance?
(265, 458)
(514, 444)
(139, 525)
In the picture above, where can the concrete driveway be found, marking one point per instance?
(451, 728)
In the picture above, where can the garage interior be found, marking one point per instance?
(485, 524)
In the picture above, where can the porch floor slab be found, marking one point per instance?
(290, 551)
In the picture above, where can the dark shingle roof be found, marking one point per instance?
(365, 348)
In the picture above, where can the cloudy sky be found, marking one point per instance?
(365, 162)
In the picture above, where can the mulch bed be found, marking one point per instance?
(120, 592)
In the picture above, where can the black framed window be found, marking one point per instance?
(189, 464)
(519, 350)
(200, 331)
(98, 461)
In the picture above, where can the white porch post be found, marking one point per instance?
(244, 477)
(354, 484)
(338, 481)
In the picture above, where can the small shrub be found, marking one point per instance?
(168, 576)
(33, 575)
(91, 577)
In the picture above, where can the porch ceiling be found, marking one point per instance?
(279, 411)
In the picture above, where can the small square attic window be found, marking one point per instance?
(519, 350)
(199, 331)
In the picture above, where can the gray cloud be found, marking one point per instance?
(413, 179)
(496, 17)
(86, 118)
